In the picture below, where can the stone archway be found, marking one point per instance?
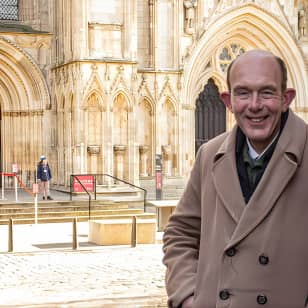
(24, 97)
(252, 28)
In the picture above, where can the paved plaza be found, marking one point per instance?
(44, 271)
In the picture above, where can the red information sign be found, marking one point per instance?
(158, 180)
(86, 180)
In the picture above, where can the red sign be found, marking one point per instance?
(158, 180)
(86, 180)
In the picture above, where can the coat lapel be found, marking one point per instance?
(226, 180)
(280, 170)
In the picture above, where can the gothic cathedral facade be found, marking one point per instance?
(106, 86)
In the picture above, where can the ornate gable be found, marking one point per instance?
(143, 89)
(272, 7)
(167, 90)
(119, 81)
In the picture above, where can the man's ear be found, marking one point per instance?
(288, 97)
(226, 98)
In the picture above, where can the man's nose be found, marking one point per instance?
(255, 102)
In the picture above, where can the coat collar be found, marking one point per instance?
(281, 168)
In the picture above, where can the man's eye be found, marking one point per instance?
(242, 94)
(266, 94)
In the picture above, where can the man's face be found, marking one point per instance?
(256, 97)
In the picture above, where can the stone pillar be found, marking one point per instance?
(119, 151)
(167, 159)
(82, 158)
(143, 149)
(93, 150)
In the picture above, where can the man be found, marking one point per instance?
(238, 237)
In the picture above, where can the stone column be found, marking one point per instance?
(82, 158)
(119, 151)
(143, 149)
(167, 159)
(93, 150)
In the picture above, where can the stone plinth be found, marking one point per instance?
(119, 231)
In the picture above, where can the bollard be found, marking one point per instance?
(16, 188)
(10, 239)
(134, 231)
(2, 190)
(75, 241)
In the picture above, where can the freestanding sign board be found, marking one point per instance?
(15, 168)
(158, 176)
(86, 180)
(35, 188)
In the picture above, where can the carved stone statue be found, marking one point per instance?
(302, 22)
(190, 6)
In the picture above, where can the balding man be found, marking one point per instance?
(238, 237)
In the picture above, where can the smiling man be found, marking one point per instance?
(237, 238)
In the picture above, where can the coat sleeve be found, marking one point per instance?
(181, 241)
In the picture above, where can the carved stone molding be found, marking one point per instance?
(119, 149)
(23, 113)
(143, 149)
(93, 149)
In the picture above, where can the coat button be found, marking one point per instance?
(224, 294)
(231, 252)
(263, 259)
(261, 299)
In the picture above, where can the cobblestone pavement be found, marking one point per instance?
(44, 270)
(107, 277)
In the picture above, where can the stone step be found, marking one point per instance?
(114, 191)
(72, 204)
(76, 213)
(44, 209)
(79, 218)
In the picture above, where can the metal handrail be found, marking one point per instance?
(83, 187)
(108, 175)
(144, 190)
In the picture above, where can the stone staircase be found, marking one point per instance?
(66, 211)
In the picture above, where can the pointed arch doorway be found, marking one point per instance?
(210, 115)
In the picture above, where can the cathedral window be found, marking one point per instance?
(228, 54)
(8, 9)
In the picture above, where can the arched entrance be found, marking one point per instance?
(24, 97)
(210, 114)
(237, 28)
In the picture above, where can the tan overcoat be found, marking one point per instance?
(236, 255)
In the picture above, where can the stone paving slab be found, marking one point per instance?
(108, 277)
(44, 270)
